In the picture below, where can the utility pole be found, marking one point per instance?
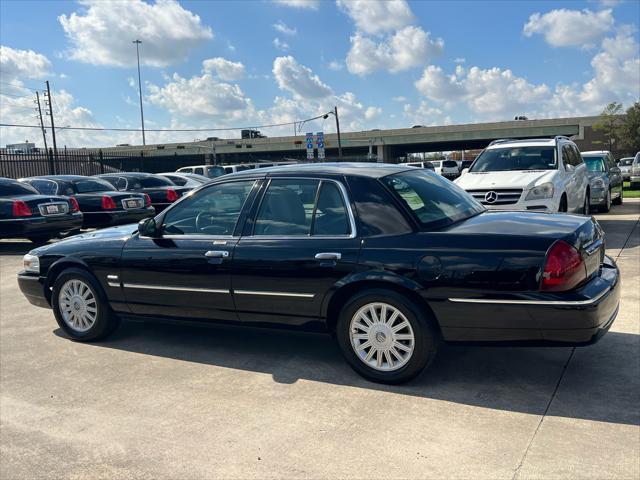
(138, 42)
(53, 126)
(335, 113)
(44, 133)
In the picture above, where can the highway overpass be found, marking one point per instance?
(385, 145)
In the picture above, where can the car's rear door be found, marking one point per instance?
(185, 273)
(298, 244)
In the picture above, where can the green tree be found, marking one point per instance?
(609, 124)
(630, 130)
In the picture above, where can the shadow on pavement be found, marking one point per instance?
(602, 382)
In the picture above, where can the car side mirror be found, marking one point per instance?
(615, 169)
(148, 228)
(464, 170)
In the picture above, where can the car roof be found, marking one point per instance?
(372, 170)
(62, 178)
(595, 152)
(127, 174)
(526, 142)
(8, 180)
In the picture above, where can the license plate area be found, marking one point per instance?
(130, 203)
(56, 208)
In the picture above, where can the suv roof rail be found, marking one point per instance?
(561, 137)
(501, 140)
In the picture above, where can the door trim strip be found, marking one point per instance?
(274, 294)
(174, 288)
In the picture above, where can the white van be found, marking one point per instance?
(209, 171)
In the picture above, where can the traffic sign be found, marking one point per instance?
(320, 143)
(309, 145)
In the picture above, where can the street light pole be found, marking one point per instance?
(335, 113)
(138, 42)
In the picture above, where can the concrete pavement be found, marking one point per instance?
(163, 401)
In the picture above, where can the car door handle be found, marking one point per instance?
(328, 256)
(217, 254)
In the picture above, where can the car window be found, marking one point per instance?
(112, 180)
(46, 187)
(436, 163)
(625, 162)
(516, 158)
(450, 164)
(180, 181)
(153, 181)
(287, 208)
(199, 170)
(434, 201)
(595, 164)
(185, 170)
(213, 172)
(331, 217)
(8, 189)
(92, 185)
(577, 156)
(213, 211)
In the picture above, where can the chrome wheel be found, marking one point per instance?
(381, 336)
(77, 305)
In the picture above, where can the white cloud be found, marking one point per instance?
(101, 34)
(336, 65)
(372, 112)
(459, 60)
(280, 44)
(424, 114)
(225, 69)
(298, 79)
(21, 64)
(283, 28)
(375, 17)
(570, 28)
(406, 48)
(400, 99)
(610, 3)
(499, 94)
(310, 4)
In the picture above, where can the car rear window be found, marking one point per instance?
(213, 172)
(8, 189)
(449, 164)
(434, 201)
(150, 182)
(93, 185)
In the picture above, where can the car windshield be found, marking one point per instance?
(150, 182)
(516, 158)
(434, 201)
(595, 164)
(213, 172)
(625, 162)
(8, 189)
(86, 186)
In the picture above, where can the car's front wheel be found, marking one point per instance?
(385, 337)
(80, 306)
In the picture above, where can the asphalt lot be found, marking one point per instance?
(163, 401)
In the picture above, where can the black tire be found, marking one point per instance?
(634, 186)
(607, 203)
(563, 207)
(586, 208)
(105, 320)
(39, 239)
(620, 199)
(426, 336)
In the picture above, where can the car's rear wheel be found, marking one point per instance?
(80, 306)
(620, 199)
(586, 208)
(607, 202)
(385, 337)
(39, 239)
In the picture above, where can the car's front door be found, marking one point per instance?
(301, 241)
(185, 272)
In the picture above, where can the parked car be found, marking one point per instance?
(634, 176)
(450, 169)
(191, 180)
(427, 165)
(161, 191)
(625, 167)
(238, 168)
(25, 213)
(392, 259)
(531, 174)
(209, 171)
(101, 204)
(605, 179)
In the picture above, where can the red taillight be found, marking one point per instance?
(564, 268)
(172, 196)
(74, 204)
(108, 203)
(147, 200)
(21, 209)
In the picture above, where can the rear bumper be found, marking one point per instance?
(32, 287)
(580, 317)
(35, 226)
(116, 217)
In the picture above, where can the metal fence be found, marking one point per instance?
(91, 162)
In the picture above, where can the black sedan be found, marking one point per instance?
(101, 204)
(162, 191)
(391, 259)
(24, 212)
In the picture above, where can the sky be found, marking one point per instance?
(227, 64)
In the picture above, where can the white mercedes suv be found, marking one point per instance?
(533, 174)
